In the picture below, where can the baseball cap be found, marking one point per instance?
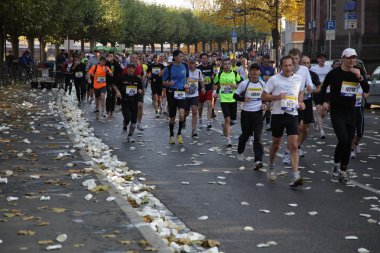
(131, 65)
(255, 66)
(348, 52)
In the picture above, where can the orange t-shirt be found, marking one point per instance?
(99, 76)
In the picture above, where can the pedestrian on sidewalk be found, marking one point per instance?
(79, 70)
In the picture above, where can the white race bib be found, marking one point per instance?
(101, 79)
(131, 90)
(226, 89)
(254, 93)
(193, 86)
(289, 103)
(156, 71)
(79, 74)
(348, 89)
(179, 94)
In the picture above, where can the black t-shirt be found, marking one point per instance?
(128, 87)
(155, 69)
(343, 88)
(116, 70)
(315, 78)
(208, 75)
(79, 71)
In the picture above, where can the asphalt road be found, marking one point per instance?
(341, 209)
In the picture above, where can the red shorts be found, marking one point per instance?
(204, 97)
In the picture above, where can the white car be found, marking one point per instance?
(374, 90)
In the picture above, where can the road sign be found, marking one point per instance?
(351, 24)
(330, 34)
(234, 37)
(330, 25)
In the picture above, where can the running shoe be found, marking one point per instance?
(124, 134)
(300, 152)
(358, 150)
(258, 165)
(130, 139)
(229, 142)
(322, 135)
(271, 173)
(353, 154)
(171, 140)
(97, 115)
(96, 110)
(157, 115)
(344, 177)
(194, 134)
(286, 158)
(179, 139)
(209, 126)
(295, 180)
(240, 157)
(335, 170)
(139, 127)
(250, 141)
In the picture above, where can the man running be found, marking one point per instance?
(91, 62)
(343, 83)
(192, 95)
(226, 82)
(111, 83)
(251, 114)
(128, 89)
(155, 76)
(205, 96)
(285, 91)
(79, 70)
(267, 71)
(97, 75)
(176, 80)
(321, 69)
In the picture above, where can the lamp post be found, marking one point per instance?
(233, 32)
(277, 35)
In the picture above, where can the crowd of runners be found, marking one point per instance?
(281, 99)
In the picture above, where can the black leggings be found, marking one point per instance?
(68, 83)
(359, 121)
(343, 122)
(110, 100)
(129, 109)
(80, 88)
(251, 123)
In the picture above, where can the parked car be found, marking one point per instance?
(374, 91)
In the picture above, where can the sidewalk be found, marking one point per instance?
(45, 173)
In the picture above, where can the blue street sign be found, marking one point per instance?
(330, 25)
(234, 34)
(352, 16)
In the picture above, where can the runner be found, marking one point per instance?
(355, 147)
(90, 87)
(97, 75)
(175, 78)
(226, 82)
(343, 84)
(305, 117)
(68, 75)
(308, 113)
(155, 71)
(79, 70)
(267, 71)
(192, 96)
(216, 65)
(111, 83)
(243, 69)
(251, 114)
(164, 104)
(129, 86)
(206, 96)
(285, 91)
(321, 69)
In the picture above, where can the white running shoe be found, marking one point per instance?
(271, 173)
(229, 142)
(358, 150)
(300, 152)
(286, 158)
(240, 157)
(353, 154)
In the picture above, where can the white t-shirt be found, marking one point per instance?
(292, 86)
(243, 72)
(194, 79)
(306, 80)
(254, 91)
(321, 71)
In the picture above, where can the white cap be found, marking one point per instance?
(170, 59)
(348, 52)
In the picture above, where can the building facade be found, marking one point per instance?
(363, 16)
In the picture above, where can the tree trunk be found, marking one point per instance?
(219, 46)
(162, 47)
(92, 44)
(82, 45)
(144, 48)
(2, 46)
(188, 48)
(204, 46)
(31, 46)
(133, 48)
(153, 48)
(210, 46)
(42, 50)
(15, 45)
(171, 47)
(56, 47)
(179, 46)
(113, 44)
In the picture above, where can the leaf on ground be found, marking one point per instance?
(210, 243)
(125, 242)
(26, 232)
(109, 236)
(43, 223)
(78, 245)
(151, 249)
(58, 210)
(100, 188)
(143, 243)
(9, 215)
(45, 242)
(27, 218)
(148, 218)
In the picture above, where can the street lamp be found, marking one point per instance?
(277, 35)
(233, 33)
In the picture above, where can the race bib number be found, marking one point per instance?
(179, 95)
(348, 89)
(289, 103)
(193, 87)
(156, 71)
(254, 94)
(226, 89)
(359, 100)
(131, 90)
(101, 79)
(79, 74)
